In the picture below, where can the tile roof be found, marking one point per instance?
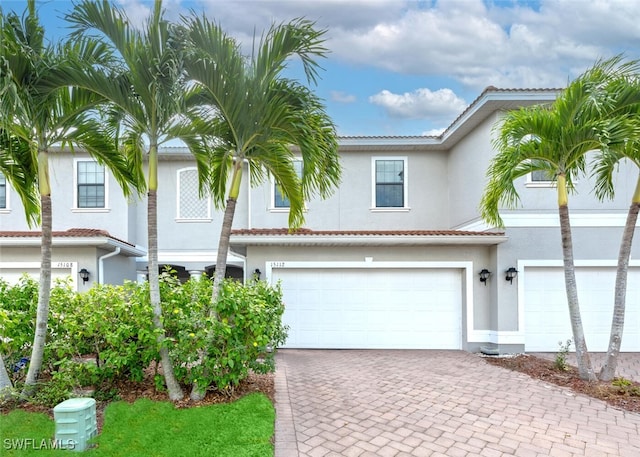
(487, 90)
(70, 233)
(399, 233)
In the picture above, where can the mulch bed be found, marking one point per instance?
(621, 397)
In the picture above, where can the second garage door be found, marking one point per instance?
(547, 313)
(416, 308)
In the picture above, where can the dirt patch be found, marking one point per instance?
(622, 394)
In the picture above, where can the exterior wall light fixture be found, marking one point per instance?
(511, 274)
(84, 275)
(257, 273)
(484, 275)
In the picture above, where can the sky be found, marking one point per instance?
(410, 67)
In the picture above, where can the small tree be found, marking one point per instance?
(555, 139)
(255, 116)
(39, 108)
(624, 103)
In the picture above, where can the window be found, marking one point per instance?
(190, 206)
(3, 192)
(279, 200)
(91, 185)
(390, 183)
(541, 176)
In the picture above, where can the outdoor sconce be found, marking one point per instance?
(257, 274)
(484, 275)
(510, 274)
(84, 275)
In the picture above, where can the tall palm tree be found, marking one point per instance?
(555, 139)
(256, 115)
(16, 166)
(40, 109)
(18, 169)
(146, 99)
(626, 105)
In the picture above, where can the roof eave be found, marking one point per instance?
(101, 242)
(364, 240)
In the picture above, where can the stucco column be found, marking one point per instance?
(141, 276)
(196, 274)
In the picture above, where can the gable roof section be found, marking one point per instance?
(488, 102)
(71, 237)
(307, 237)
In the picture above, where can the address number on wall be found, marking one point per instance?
(62, 264)
(277, 264)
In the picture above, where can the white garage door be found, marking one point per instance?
(372, 308)
(547, 314)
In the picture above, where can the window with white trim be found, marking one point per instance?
(91, 189)
(280, 201)
(389, 182)
(191, 207)
(3, 192)
(540, 178)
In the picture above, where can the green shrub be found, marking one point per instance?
(245, 328)
(18, 305)
(560, 361)
(109, 323)
(106, 334)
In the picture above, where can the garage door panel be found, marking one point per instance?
(547, 315)
(371, 308)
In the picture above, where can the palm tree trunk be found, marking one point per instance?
(175, 391)
(223, 249)
(585, 369)
(44, 294)
(608, 370)
(5, 380)
(198, 392)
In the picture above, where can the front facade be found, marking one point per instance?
(391, 260)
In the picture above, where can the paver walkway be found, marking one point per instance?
(435, 403)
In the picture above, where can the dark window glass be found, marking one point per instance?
(541, 176)
(3, 191)
(279, 200)
(90, 185)
(389, 183)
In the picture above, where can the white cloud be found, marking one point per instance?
(420, 104)
(139, 11)
(342, 97)
(434, 132)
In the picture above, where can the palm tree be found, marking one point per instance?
(41, 109)
(626, 104)
(555, 139)
(15, 163)
(256, 115)
(146, 100)
(18, 168)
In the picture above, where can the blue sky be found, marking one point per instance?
(401, 67)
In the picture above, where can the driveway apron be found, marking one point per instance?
(435, 403)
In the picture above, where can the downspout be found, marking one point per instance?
(101, 264)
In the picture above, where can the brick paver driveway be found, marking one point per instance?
(435, 403)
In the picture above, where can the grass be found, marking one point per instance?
(243, 428)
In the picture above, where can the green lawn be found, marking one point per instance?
(145, 428)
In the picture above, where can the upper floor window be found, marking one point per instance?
(540, 178)
(390, 183)
(3, 192)
(191, 207)
(91, 184)
(279, 199)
